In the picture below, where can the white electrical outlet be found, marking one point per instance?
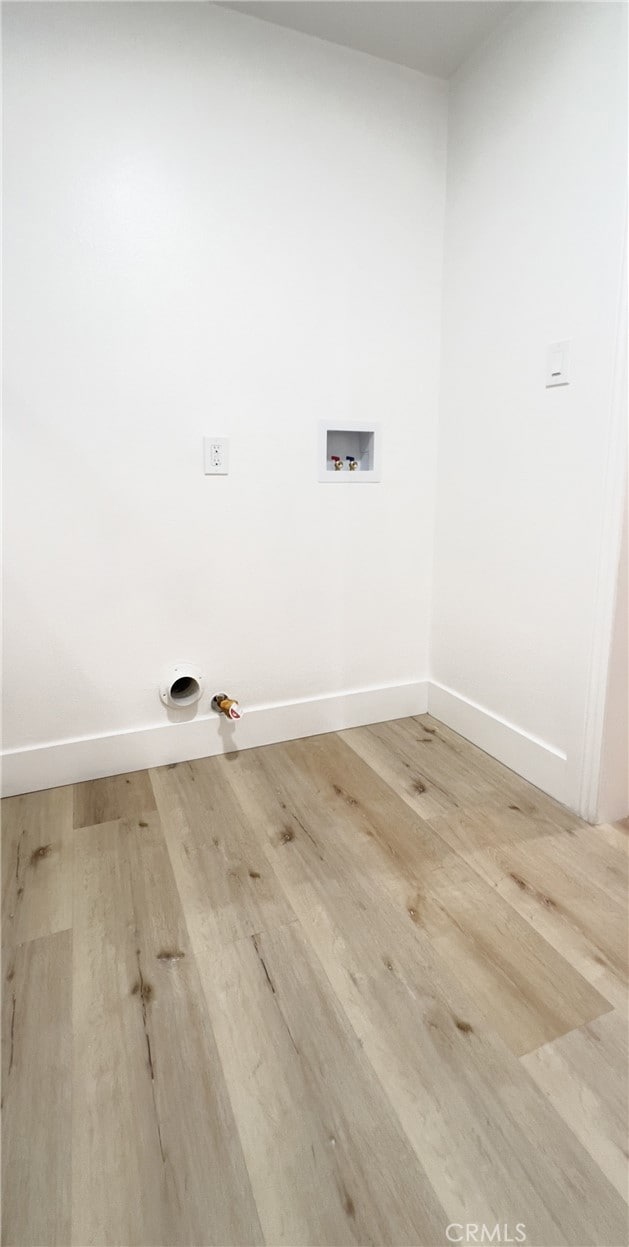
(215, 456)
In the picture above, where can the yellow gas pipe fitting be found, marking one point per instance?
(227, 706)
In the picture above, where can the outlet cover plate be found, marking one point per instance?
(216, 456)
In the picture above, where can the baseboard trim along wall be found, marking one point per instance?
(542, 764)
(93, 757)
(72, 761)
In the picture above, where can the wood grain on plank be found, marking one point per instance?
(36, 865)
(37, 1093)
(223, 878)
(408, 764)
(292, 997)
(490, 777)
(328, 1160)
(528, 992)
(584, 1075)
(571, 892)
(523, 987)
(152, 1120)
(117, 796)
(476, 1122)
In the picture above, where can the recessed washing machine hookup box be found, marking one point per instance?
(349, 453)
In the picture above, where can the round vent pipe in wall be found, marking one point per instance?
(182, 687)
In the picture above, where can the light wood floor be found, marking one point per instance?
(351, 989)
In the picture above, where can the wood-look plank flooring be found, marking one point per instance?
(353, 989)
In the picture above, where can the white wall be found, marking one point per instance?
(613, 796)
(533, 244)
(212, 226)
(216, 226)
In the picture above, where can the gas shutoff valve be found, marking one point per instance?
(227, 706)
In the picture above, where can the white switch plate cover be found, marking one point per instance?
(216, 456)
(558, 364)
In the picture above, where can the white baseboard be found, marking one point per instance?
(72, 761)
(542, 764)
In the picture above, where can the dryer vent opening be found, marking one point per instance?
(182, 686)
(184, 689)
